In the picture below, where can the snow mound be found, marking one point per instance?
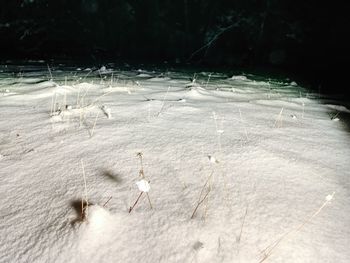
(194, 86)
(156, 79)
(144, 75)
(96, 233)
(104, 70)
(99, 219)
(338, 108)
(274, 155)
(196, 93)
(85, 85)
(239, 77)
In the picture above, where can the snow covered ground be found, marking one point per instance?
(240, 169)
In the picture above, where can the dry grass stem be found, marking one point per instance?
(161, 108)
(85, 198)
(93, 127)
(141, 173)
(48, 68)
(149, 201)
(107, 201)
(245, 129)
(271, 248)
(137, 200)
(142, 176)
(279, 120)
(243, 221)
(202, 199)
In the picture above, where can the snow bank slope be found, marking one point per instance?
(257, 159)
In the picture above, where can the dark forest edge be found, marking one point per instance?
(300, 39)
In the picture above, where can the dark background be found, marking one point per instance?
(306, 39)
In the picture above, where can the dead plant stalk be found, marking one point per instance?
(202, 199)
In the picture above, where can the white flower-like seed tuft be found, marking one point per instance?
(330, 197)
(143, 186)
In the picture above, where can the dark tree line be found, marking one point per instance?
(228, 32)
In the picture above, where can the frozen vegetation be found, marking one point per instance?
(107, 165)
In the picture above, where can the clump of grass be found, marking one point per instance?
(81, 108)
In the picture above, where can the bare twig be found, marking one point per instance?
(210, 42)
(334, 116)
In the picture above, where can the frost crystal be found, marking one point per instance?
(143, 185)
(329, 197)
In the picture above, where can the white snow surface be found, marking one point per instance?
(280, 191)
